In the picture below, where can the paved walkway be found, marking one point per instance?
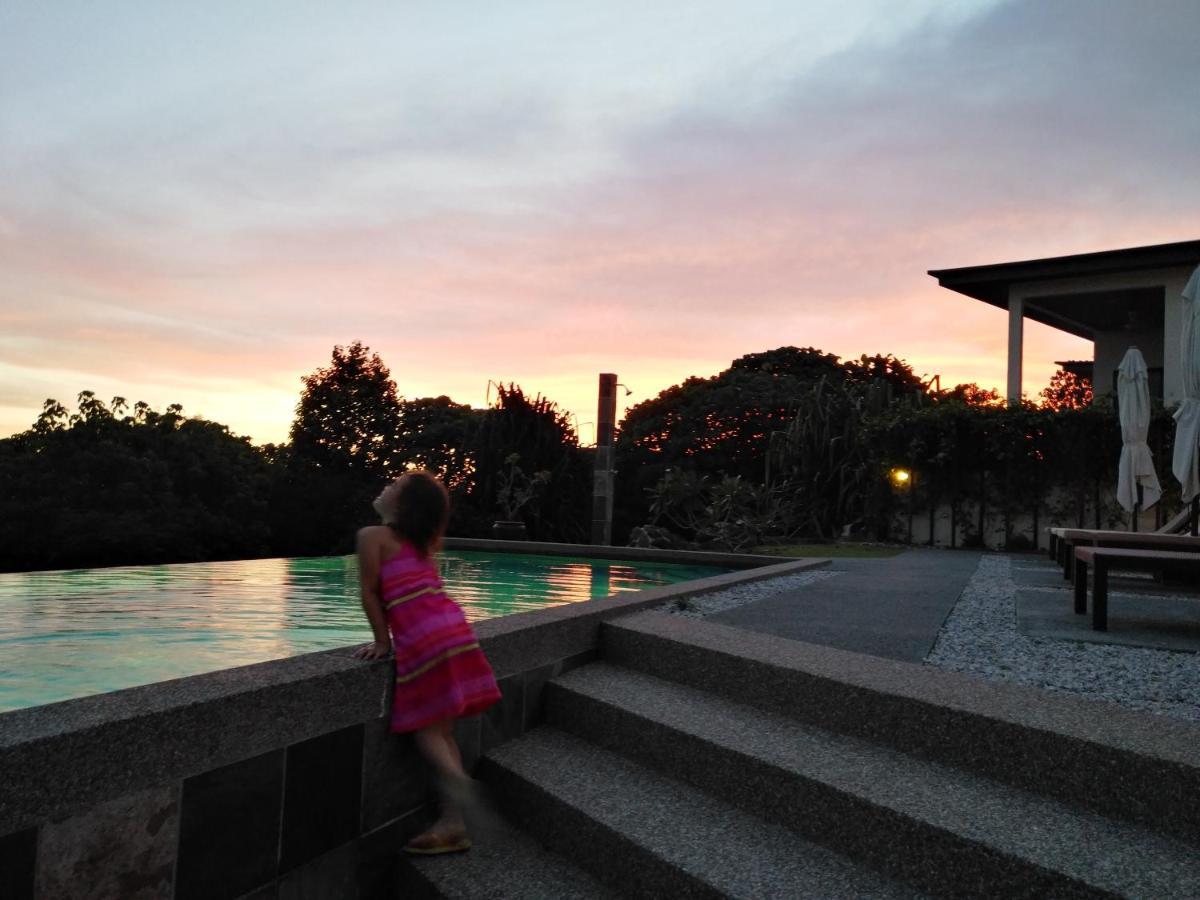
(886, 607)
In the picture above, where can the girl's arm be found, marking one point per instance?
(372, 602)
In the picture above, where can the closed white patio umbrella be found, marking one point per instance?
(1187, 416)
(1137, 465)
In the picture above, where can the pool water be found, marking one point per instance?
(73, 633)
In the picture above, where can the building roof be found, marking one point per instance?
(1081, 314)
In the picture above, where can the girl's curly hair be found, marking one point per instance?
(420, 509)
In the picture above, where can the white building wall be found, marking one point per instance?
(1110, 348)
(1166, 347)
(1022, 524)
(1172, 327)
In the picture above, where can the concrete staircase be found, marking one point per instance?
(695, 760)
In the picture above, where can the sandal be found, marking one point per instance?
(433, 843)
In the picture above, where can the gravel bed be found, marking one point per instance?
(708, 604)
(980, 637)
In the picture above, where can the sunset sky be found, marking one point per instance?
(198, 200)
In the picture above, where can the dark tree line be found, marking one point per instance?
(797, 444)
(785, 424)
(109, 485)
(993, 464)
(786, 444)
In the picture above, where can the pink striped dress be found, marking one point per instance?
(441, 673)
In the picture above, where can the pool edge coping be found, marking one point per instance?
(728, 559)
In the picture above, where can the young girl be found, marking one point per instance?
(441, 673)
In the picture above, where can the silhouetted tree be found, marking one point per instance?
(886, 370)
(542, 437)
(343, 449)
(971, 395)
(803, 363)
(722, 426)
(96, 487)
(435, 434)
(1066, 390)
(348, 416)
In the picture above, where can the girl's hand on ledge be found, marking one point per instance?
(377, 650)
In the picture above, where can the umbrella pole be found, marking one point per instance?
(1195, 513)
(1137, 507)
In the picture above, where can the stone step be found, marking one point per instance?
(647, 835)
(1118, 762)
(503, 864)
(947, 831)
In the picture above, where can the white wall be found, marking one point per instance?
(1166, 345)
(967, 523)
(1110, 348)
(1172, 326)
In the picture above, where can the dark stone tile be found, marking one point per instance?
(124, 848)
(267, 892)
(467, 735)
(18, 854)
(377, 856)
(382, 873)
(67, 757)
(396, 778)
(503, 721)
(333, 875)
(229, 829)
(322, 795)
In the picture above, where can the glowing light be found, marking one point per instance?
(900, 477)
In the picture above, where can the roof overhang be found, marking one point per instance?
(1081, 314)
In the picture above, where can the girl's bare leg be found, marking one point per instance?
(437, 745)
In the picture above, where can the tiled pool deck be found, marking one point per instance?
(1142, 612)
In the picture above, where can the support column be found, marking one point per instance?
(1016, 339)
(602, 489)
(1172, 331)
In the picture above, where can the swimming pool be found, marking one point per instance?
(74, 633)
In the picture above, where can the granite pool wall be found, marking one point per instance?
(275, 780)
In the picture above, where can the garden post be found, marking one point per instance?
(602, 487)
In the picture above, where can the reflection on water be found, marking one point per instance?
(73, 633)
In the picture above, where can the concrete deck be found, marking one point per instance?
(1141, 612)
(885, 607)
(895, 607)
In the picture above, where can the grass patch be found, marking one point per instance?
(833, 551)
